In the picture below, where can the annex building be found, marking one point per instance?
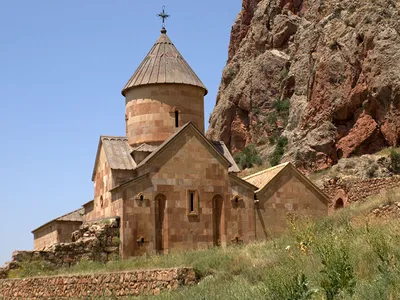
(171, 187)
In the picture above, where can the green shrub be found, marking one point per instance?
(291, 288)
(271, 140)
(272, 118)
(31, 268)
(256, 110)
(371, 171)
(248, 158)
(276, 156)
(262, 140)
(395, 161)
(231, 73)
(283, 73)
(282, 142)
(282, 106)
(338, 274)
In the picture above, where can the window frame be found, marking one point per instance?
(192, 203)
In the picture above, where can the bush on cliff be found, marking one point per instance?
(276, 156)
(248, 158)
(395, 161)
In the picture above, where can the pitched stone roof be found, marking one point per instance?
(261, 179)
(172, 138)
(145, 148)
(75, 216)
(118, 153)
(164, 64)
(220, 145)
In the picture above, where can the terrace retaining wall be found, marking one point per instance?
(109, 285)
(357, 190)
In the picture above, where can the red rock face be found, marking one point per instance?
(241, 26)
(336, 62)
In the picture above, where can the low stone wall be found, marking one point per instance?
(96, 285)
(97, 241)
(355, 190)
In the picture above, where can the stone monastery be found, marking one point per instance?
(168, 185)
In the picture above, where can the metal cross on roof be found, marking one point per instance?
(163, 16)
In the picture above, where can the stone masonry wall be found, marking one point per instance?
(162, 100)
(287, 195)
(96, 285)
(98, 241)
(356, 190)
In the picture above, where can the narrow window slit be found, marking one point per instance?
(191, 202)
(176, 119)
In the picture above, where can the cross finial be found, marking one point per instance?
(163, 16)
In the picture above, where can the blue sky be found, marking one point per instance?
(62, 67)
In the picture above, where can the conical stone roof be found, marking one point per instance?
(164, 64)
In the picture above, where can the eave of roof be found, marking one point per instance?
(220, 145)
(129, 181)
(63, 219)
(117, 151)
(280, 168)
(264, 177)
(242, 181)
(88, 202)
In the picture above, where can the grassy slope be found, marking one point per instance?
(360, 253)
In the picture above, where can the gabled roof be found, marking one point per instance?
(261, 179)
(145, 148)
(75, 216)
(175, 136)
(163, 64)
(221, 147)
(242, 181)
(118, 153)
(264, 178)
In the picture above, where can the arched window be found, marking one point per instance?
(235, 199)
(339, 204)
(101, 202)
(176, 119)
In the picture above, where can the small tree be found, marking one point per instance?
(248, 157)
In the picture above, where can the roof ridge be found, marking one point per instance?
(265, 170)
(76, 210)
(113, 137)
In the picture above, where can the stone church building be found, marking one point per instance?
(170, 186)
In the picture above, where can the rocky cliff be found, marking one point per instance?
(325, 74)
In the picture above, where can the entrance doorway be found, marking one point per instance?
(160, 205)
(217, 217)
(339, 204)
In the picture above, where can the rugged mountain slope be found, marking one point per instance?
(323, 73)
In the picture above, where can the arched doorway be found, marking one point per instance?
(339, 204)
(160, 206)
(217, 205)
